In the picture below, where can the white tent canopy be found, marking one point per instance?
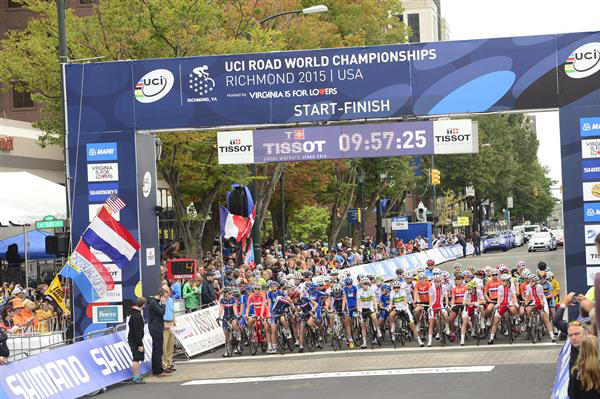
(26, 198)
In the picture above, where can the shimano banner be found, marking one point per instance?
(72, 371)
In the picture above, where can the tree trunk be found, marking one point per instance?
(335, 222)
(265, 192)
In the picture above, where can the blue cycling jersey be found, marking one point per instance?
(273, 295)
(350, 293)
(280, 306)
(228, 304)
(337, 302)
(384, 300)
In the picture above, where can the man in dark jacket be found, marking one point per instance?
(208, 289)
(135, 338)
(476, 244)
(156, 312)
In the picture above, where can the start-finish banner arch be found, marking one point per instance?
(108, 103)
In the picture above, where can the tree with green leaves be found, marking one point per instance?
(140, 29)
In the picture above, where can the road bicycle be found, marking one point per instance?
(257, 335)
(535, 327)
(337, 332)
(401, 329)
(233, 339)
(439, 327)
(372, 336)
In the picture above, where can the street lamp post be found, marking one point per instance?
(361, 182)
(254, 187)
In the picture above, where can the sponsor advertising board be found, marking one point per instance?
(98, 172)
(198, 331)
(107, 314)
(591, 191)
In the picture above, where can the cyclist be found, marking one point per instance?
(438, 299)
(349, 306)
(456, 303)
(491, 293)
(422, 288)
(473, 300)
(507, 300)
(548, 292)
(280, 306)
(409, 287)
(366, 305)
(398, 307)
(258, 306)
(555, 287)
(307, 308)
(335, 305)
(228, 313)
(384, 302)
(429, 269)
(537, 300)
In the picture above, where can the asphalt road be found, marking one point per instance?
(449, 372)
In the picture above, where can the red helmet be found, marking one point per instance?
(294, 295)
(430, 262)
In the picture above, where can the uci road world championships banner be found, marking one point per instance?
(109, 102)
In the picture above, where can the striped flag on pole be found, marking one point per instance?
(115, 203)
(560, 390)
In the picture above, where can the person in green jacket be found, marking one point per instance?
(191, 294)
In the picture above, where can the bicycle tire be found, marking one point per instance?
(356, 331)
(240, 345)
(533, 330)
(509, 325)
(441, 331)
(403, 336)
(292, 340)
(309, 339)
(253, 343)
(475, 326)
(281, 341)
(263, 336)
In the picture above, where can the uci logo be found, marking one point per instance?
(154, 85)
(584, 61)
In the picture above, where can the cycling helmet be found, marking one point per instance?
(348, 281)
(236, 292)
(495, 272)
(549, 275)
(326, 279)
(472, 269)
(379, 279)
(257, 273)
(227, 290)
(487, 269)
(239, 281)
(259, 267)
(371, 277)
(385, 287)
(505, 277)
(480, 272)
(471, 284)
(525, 271)
(294, 295)
(336, 289)
(335, 272)
(298, 275)
(359, 277)
(430, 262)
(311, 286)
(422, 276)
(289, 285)
(409, 274)
(437, 279)
(306, 274)
(520, 264)
(437, 271)
(274, 284)
(541, 274)
(457, 266)
(445, 274)
(399, 271)
(396, 284)
(365, 280)
(458, 275)
(257, 286)
(467, 274)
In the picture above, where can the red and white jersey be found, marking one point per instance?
(470, 298)
(536, 294)
(506, 296)
(437, 295)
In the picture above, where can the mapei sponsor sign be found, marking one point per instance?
(101, 152)
(455, 136)
(591, 212)
(235, 147)
(589, 127)
(103, 172)
(72, 371)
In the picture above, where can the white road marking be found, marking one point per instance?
(343, 374)
(364, 351)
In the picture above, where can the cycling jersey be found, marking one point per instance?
(506, 297)
(280, 306)
(350, 293)
(548, 292)
(429, 274)
(258, 304)
(492, 288)
(479, 282)
(472, 298)
(536, 294)
(307, 305)
(408, 289)
(228, 305)
(367, 298)
(336, 303)
(422, 291)
(459, 294)
(437, 294)
(397, 299)
(273, 295)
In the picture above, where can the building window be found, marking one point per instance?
(14, 4)
(21, 99)
(413, 24)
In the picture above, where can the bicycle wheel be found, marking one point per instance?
(440, 328)
(291, 340)
(280, 340)
(263, 340)
(253, 342)
(533, 326)
(475, 327)
(401, 330)
(370, 336)
(309, 342)
(240, 343)
(356, 331)
(510, 329)
(540, 329)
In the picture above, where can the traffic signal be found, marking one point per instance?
(435, 177)
(535, 191)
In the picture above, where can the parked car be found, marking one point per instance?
(542, 241)
(496, 241)
(560, 236)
